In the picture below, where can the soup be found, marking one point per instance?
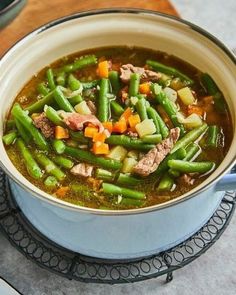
(118, 128)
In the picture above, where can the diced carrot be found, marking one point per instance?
(120, 126)
(127, 113)
(61, 192)
(108, 125)
(134, 120)
(103, 69)
(100, 148)
(61, 133)
(195, 109)
(144, 88)
(90, 131)
(101, 136)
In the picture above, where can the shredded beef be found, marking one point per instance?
(145, 75)
(44, 125)
(82, 169)
(150, 162)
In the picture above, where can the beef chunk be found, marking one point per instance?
(82, 169)
(44, 125)
(145, 75)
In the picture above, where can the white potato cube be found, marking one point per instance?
(146, 127)
(128, 165)
(186, 96)
(82, 108)
(117, 153)
(171, 93)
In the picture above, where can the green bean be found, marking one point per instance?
(42, 89)
(63, 162)
(9, 138)
(50, 77)
(31, 165)
(89, 157)
(179, 154)
(104, 174)
(79, 136)
(49, 166)
(10, 124)
(74, 83)
(27, 122)
(213, 135)
(59, 146)
(53, 116)
(154, 138)
(132, 202)
(191, 167)
(168, 70)
(159, 123)
(115, 81)
(126, 179)
(90, 84)
(212, 89)
(26, 136)
(168, 106)
(134, 84)
(39, 105)
(61, 78)
(166, 183)
(116, 108)
(124, 192)
(51, 181)
(103, 102)
(141, 109)
(84, 61)
(191, 136)
(128, 142)
(62, 101)
(74, 100)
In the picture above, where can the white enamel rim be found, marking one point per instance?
(46, 197)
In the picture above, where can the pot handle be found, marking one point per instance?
(228, 182)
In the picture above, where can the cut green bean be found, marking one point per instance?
(51, 182)
(124, 192)
(116, 108)
(42, 89)
(191, 167)
(166, 183)
(132, 202)
(168, 106)
(126, 179)
(212, 136)
(32, 167)
(191, 136)
(141, 109)
(27, 122)
(103, 101)
(61, 78)
(154, 138)
(115, 81)
(10, 124)
(74, 100)
(104, 175)
(9, 138)
(39, 105)
(50, 77)
(168, 70)
(90, 84)
(63, 102)
(79, 136)
(134, 84)
(89, 157)
(26, 136)
(59, 146)
(53, 116)
(49, 166)
(159, 123)
(63, 162)
(129, 142)
(84, 61)
(74, 83)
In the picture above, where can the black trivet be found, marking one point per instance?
(71, 265)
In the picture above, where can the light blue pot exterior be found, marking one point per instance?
(114, 236)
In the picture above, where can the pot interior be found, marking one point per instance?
(148, 30)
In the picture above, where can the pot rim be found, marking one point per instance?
(118, 10)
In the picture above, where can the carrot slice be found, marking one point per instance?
(62, 191)
(61, 133)
(120, 126)
(90, 131)
(103, 69)
(134, 120)
(195, 109)
(99, 137)
(100, 148)
(127, 113)
(144, 88)
(108, 125)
